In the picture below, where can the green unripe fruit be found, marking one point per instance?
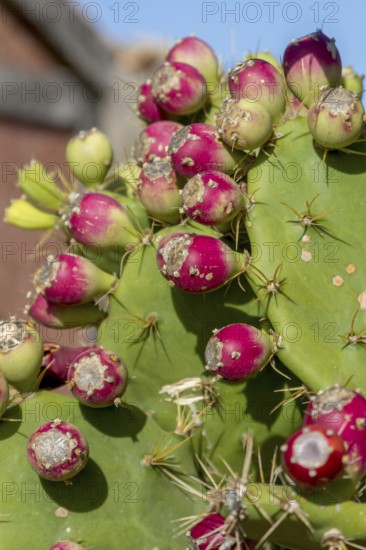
(265, 55)
(22, 213)
(21, 353)
(90, 156)
(336, 119)
(243, 124)
(352, 81)
(40, 186)
(4, 394)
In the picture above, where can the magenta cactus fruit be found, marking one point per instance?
(195, 52)
(4, 394)
(238, 351)
(336, 120)
(68, 279)
(95, 219)
(208, 533)
(343, 411)
(212, 198)
(153, 140)
(57, 451)
(21, 353)
(66, 545)
(243, 124)
(179, 88)
(53, 315)
(56, 362)
(259, 82)
(198, 263)
(309, 63)
(197, 148)
(147, 107)
(313, 456)
(90, 156)
(97, 378)
(158, 191)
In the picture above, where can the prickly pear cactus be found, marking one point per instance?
(303, 227)
(231, 455)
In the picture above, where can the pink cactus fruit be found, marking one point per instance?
(313, 456)
(310, 63)
(147, 107)
(158, 191)
(179, 88)
(198, 263)
(153, 140)
(97, 378)
(53, 315)
(343, 411)
(238, 351)
(260, 83)
(69, 279)
(66, 545)
(195, 52)
(197, 148)
(57, 451)
(56, 362)
(95, 219)
(212, 198)
(208, 533)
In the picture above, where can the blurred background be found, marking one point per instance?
(68, 66)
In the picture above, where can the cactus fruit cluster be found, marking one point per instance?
(221, 404)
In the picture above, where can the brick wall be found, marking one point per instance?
(18, 144)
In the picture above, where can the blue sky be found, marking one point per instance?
(234, 26)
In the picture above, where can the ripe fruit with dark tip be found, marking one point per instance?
(309, 63)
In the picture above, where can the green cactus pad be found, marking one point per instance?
(322, 278)
(173, 350)
(115, 498)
